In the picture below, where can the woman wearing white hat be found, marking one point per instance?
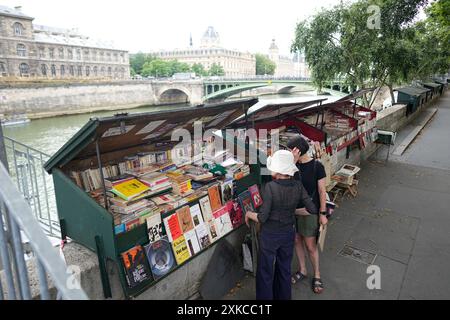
(281, 197)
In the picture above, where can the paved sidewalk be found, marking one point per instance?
(401, 214)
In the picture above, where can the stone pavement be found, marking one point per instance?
(401, 214)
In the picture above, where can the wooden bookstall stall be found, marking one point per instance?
(127, 191)
(330, 128)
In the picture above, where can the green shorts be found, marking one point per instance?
(308, 226)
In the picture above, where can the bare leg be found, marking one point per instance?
(313, 254)
(300, 251)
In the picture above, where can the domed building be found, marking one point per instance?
(236, 64)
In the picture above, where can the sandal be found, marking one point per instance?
(317, 285)
(297, 277)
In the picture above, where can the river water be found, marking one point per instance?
(49, 134)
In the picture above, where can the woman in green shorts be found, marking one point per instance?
(312, 174)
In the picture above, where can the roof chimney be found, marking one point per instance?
(18, 8)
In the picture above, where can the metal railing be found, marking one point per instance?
(17, 221)
(26, 167)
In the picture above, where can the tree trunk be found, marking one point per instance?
(391, 91)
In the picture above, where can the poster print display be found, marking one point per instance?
(203, 235)
(222, 221)
(205, 206)
(196, 215)
(154, 227)
(160, 257)
(192, 242)
(256, 196)
(214, 198)
(180, 250)
(246, 202)
(136, 266)
(185, 219)
(235, 211)
(172, 226)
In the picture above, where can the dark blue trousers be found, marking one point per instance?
(273, 277)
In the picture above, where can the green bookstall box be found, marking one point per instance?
(103, 143)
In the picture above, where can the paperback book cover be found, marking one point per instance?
(246, 202)
(212, 229)
(154, 227)
(185, 219)
(222, 221)
(173, 228)
(226, 189)
(214, 198)
(235, 212)
(196, 215)
(203, 235)
(205, 206)
(180, 250)
(256, 196)
(160, 257)
(129, 189)
(192, 242)
(136, 266)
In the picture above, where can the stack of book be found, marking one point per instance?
(156, 181)
(198, 173)
(129, 189)
(182, 185)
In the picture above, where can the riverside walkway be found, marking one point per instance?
(401, 214)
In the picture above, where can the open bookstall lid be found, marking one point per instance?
(269, 110)
(130, 130)
(357, 94)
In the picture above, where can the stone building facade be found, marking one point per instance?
(236, 64)
(28, 50)
(287, 66)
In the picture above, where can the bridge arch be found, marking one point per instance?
(173, 96)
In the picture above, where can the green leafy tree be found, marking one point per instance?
(340, 43)
(216, 70)
(199, 69)
(156, 68)
(176, 66)
(264, 65)
(138, 60)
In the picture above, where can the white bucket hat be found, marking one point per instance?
(282, 162)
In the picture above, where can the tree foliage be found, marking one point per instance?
(340, 42)
(216, 70)
(264, 65)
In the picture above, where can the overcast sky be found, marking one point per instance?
(149, 25)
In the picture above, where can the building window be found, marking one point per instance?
(108, 56)
(51, 53)
(109, 71)
(88, 71)
(122, 58)
(72, 70)
(86, 54)
(3, 69)
(24, 69)
(78, 54)
(94, 56)
(44, 70)
(53, 70)
(21, 50)
(102, 56)
(41, 52)
(102, 71)
(79, 71)
(95, 71)
(18, 29)
(61, 53)
(116, 57)
(70, 54)
(62, 70)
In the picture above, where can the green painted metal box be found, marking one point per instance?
(104, 141)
